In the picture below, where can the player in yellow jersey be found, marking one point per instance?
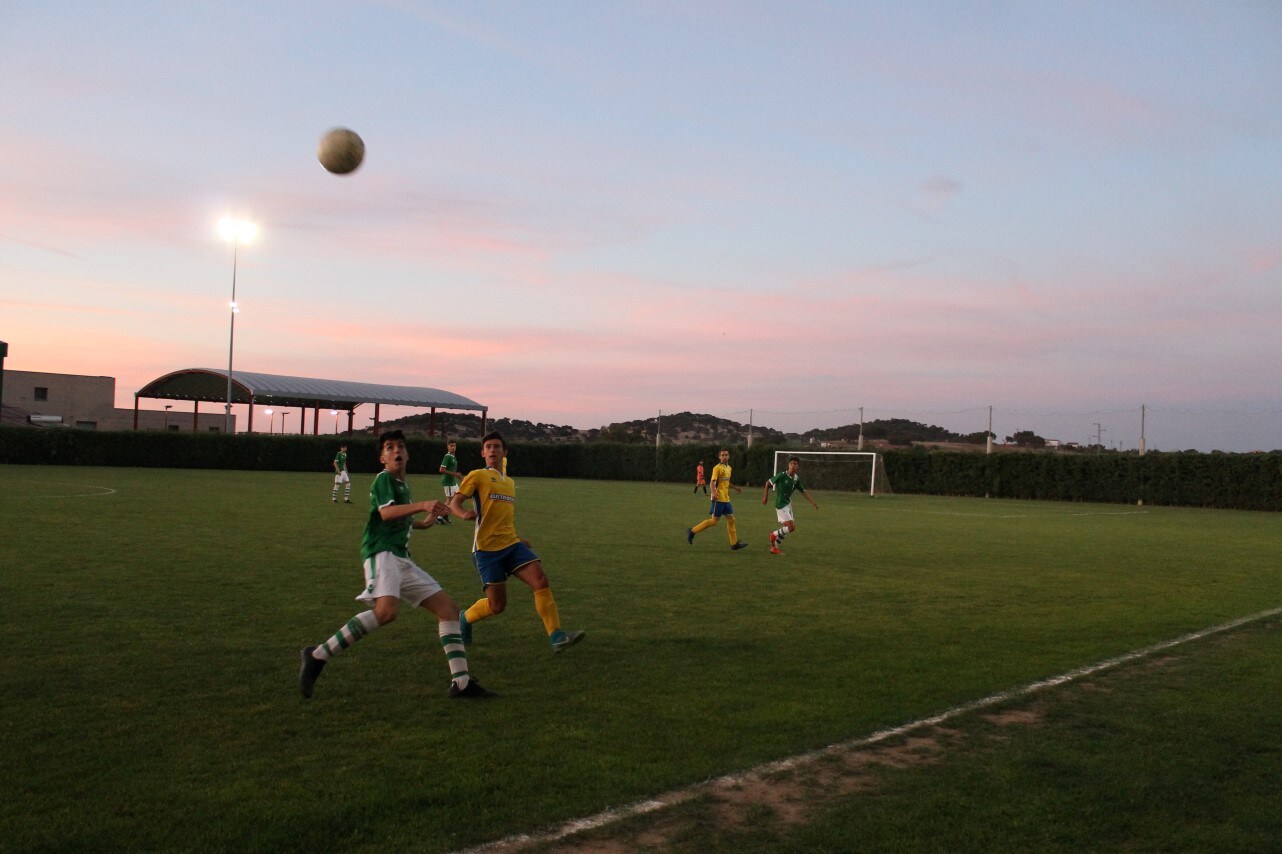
(721, 505)
(497, 550)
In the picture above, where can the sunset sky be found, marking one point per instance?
(587, 212)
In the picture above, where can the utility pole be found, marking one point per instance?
(749, 428)
(658, 430)
(1142, 414)
(860, 446)
(1099, 431)
(989, 438)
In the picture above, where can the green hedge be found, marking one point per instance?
(1232, 481)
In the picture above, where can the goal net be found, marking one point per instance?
(850, 471)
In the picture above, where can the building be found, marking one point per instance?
(38, 399)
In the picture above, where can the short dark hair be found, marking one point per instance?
(794, 460)
(492, 435)
(389, 436)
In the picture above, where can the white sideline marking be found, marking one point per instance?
(680, 796)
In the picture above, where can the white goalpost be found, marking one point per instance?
(853, 471)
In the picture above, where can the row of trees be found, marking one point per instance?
(1236, 481)
(691, 427)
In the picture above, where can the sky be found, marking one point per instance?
(581, 212)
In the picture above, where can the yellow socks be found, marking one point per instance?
(732, 529)
(546, 606)
(479, 611)
(705, 524)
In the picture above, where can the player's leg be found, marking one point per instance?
(493, 572)
(440, 603)
(449, 495)
(545, 603)
(733, 531)
(333, 496)
(786, 525)
(714, 516)
(314, 657)
(382, 590)
(347, 488)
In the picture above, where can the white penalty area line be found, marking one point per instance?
(680, 796)
(1050, 515)
(102, 490)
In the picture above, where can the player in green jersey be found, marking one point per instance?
(449, 476)
(785, 483)
(391, 576)
(340, 476)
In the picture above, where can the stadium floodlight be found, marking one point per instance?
(236, 231)
(855, 471)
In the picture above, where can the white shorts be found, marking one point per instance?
(784, 513)
(342, 477)
(450, 492)
(387, 574)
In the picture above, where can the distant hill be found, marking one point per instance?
(680, 428)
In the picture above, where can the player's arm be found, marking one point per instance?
(806, 495)
(388, 512)
(765, 493)
(465, 491)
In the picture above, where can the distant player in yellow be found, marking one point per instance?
(721, 506)
(497, 550)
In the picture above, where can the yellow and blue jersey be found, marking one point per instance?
(493, 497)
(721, 477)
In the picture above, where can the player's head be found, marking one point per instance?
(724, 455)
(493, 448)
(793, 465)
(392, 452)
(451, 446)
(343, 447)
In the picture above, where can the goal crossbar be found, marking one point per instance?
(867, 470)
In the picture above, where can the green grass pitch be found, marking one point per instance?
(153, 619)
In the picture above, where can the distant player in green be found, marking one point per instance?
(340, 476)
(785, 483)
(498, 551)
(391, 576)
(449, 476)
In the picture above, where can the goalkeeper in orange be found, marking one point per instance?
(721, 505)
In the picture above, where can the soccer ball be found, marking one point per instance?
(341, 151)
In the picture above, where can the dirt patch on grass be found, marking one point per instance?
(781, 798)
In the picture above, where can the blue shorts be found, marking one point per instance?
(721, 508)
(495, 567)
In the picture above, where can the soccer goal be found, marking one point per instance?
(852, 471)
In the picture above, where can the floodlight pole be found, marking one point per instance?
(231, 336)
(237, 231)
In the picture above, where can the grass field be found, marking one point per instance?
(153, 620)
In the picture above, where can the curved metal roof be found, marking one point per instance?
(210, 384)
